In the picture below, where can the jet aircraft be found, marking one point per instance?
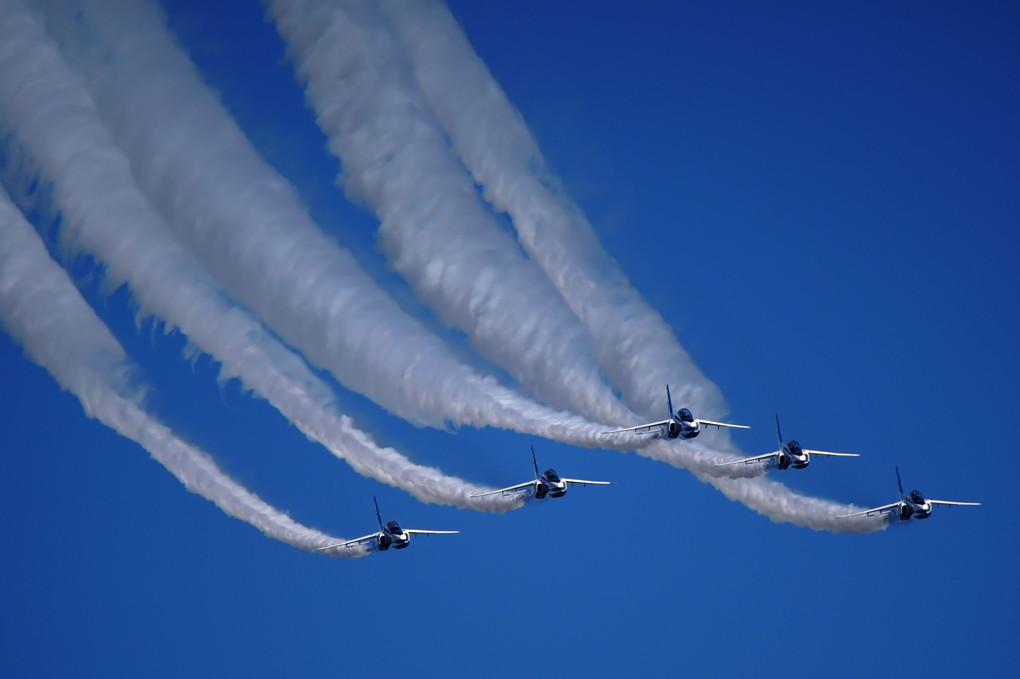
(390, 535)
(680, 424)
(790, 454)
(547, 483)
(911, 505)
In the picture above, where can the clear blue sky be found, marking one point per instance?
(822, 202)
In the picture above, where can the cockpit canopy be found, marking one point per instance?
(916, 497)
(794, 447)
(394, 528)
(684, 415)
(551, 475)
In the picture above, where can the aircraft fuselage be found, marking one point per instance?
(792, 455)
(914, 506)
(550, 484)
(393, 536)
(683, 425)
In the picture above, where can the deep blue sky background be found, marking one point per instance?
(821, 201)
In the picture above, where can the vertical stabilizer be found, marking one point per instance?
(534, 463)
(669, 401)
(898, 482)
(779, 433)
(377, 516)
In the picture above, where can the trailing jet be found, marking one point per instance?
(912, 505)
(390, 535)
(790, 454)
(547, 483)
(680, 424)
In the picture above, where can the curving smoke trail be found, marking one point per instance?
(433, 228)
(246, 225)
(634, 346)
(52, 131)
(41, 309)
(396, 155)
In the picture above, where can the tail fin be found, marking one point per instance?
(378, 518)
(778, 432)
(534, 462)
(669, 401)
(900, 483)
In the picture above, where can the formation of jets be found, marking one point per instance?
(681, 424)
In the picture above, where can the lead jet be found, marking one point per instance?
(790, 454)
(911, 505)
(680, 424)
(547, 483)
(390, 535)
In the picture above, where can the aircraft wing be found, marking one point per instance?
(418, 531)
(723, 424)
(951, 503)
(748, 460)
(822, 452)
(519, 488)
(640, 429)
(582, 482)
(350, 543)
(874, 510)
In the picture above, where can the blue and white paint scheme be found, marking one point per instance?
(681, 424)
(790, 454)
(546, 484)
(912, 505)
(389, 535)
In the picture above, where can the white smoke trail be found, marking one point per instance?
(41, 309)
(53, 131)
(433, 227)
(397, 157)
(635, 347)
(246, 224)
